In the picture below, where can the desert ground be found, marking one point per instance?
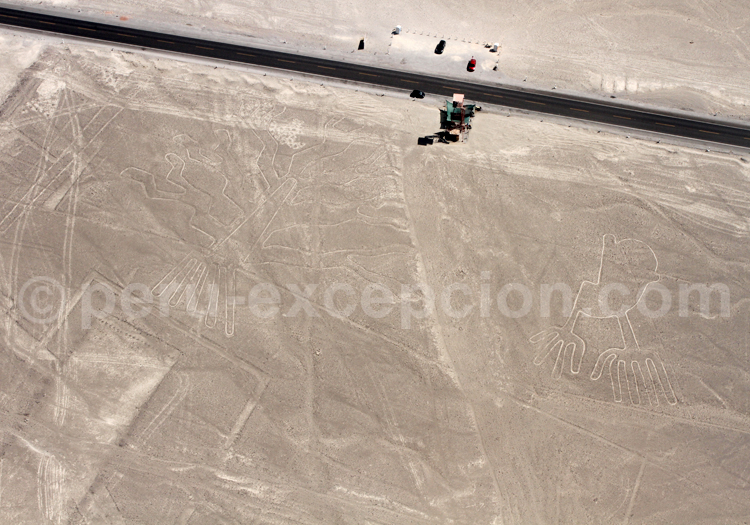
(127, 171)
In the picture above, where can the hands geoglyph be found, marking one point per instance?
(637, 376)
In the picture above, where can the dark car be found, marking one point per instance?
(440, 47)
(472, 64)
(417, 94)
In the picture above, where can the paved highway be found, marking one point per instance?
(601, 112)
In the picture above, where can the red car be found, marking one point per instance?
(472, 64)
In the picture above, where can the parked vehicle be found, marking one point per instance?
(472, 65)
(440, 48)
(417, 94)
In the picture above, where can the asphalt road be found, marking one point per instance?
(581, 109)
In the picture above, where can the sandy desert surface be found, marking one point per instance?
(689, 54)
(125, 171)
